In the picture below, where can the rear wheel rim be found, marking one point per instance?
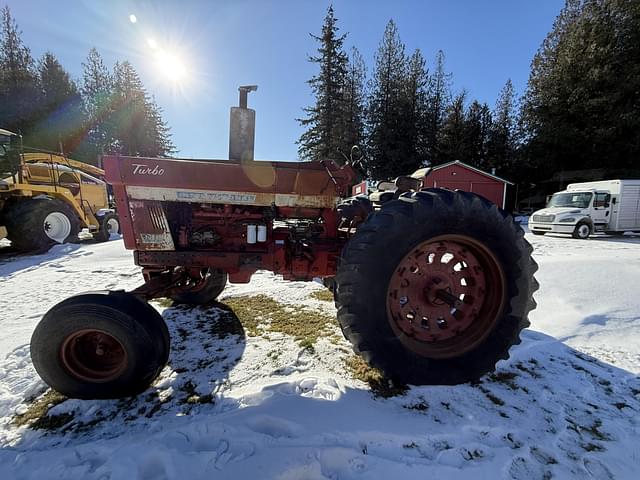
(57, 226)
(445, 296)
(93, 355)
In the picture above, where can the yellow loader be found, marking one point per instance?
(47, 198)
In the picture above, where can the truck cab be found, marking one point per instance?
(610, 206)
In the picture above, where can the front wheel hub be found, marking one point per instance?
(93, 356)
(445, 296)
(57, 226)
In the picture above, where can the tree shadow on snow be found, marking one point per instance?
(12, 261)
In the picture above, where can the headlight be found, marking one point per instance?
(568, 219)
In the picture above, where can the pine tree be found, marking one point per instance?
(414, 126)
(581, 107)
(477, 127)
(129, 115)
(438, 100)
(97, 88)
(19, 93)
(323, 136)
(353, 116)
(452, 135)
(385, 152)
(160, 131)
(61, 119)
(502, 139)
(136, 122)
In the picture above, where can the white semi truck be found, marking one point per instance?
(609, 206)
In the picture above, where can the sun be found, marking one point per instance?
(170, 66)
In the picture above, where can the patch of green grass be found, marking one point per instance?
(37, 416)
(379, 384)
(261, 313)
(52, 422)
(522, 367)
(421, 406)
(506, 378)
(592, 447)
(494, 399)
(192, 396)
(594, 431)
(274, 355)
(164, 302)
(325, 295)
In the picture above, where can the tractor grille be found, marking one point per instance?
(544, 218)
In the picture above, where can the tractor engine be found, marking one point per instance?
(230, 215)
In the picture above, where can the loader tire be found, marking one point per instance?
(109, 223)
(436, 287)
(100, 345)
(36, 224)
(204, 292)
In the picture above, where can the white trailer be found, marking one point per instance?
(610, 206)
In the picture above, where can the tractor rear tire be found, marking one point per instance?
(436, 287)
(206, 291)
(100, 345)
(36, 224)
(109, 223)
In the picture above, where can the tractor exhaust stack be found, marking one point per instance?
(242, 127)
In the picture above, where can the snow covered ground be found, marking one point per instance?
(565, 405)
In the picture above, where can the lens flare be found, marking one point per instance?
(133, 18)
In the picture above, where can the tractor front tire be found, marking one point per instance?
(109, 223)
(36, 224)
(99, 345)
(435, 288)
(205, 290)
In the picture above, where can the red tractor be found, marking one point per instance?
(432, 286)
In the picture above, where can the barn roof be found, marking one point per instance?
(477, 170)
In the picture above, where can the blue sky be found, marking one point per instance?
(228, 43)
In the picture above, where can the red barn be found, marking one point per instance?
(457, 175)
